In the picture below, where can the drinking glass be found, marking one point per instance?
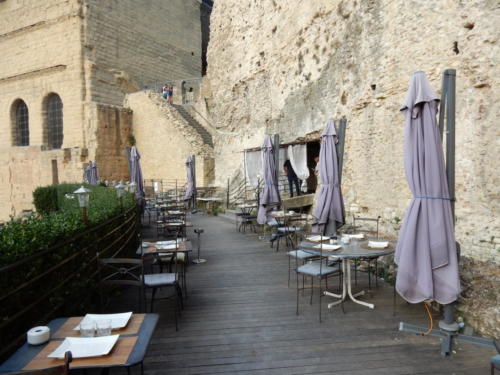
(87, 328)
(346, 239)
(103, 327)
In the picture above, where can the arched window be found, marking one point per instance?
(20, 128)
(54, 118)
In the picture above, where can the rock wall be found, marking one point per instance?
(286, 68)
(165, 140)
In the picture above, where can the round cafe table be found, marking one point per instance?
(347, 253)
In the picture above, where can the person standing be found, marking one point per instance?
(171, 94)
(164, 92)
(292, 177)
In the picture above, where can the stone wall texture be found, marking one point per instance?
(286, 68)
(91, 53)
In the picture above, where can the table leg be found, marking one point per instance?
(349, 289)
(342, 296)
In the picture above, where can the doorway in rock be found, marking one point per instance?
(312, 152)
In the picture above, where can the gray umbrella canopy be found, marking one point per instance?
(270, 195)
(87, 173)
(426, 252)
(329, 211)
(93, 177)
(136, 175)
(191, 180)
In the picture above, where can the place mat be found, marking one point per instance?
(66, 330)
(118, 356)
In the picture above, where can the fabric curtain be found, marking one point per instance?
(253, 167)
(298, 159)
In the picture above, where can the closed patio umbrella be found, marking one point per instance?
(87, 173)
(329, 211)
(270, 195)
(93, 174)
(426, 252)
(191, 181)
(136, 175)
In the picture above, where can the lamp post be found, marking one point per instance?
(83, 195)
(120, 192)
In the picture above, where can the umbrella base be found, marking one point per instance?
(198, 261)
(447, 337)
(450, 327)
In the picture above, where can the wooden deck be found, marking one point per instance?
(240, 318)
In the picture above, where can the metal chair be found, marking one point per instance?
(130, 272)
(58, 370)
(320, 269)
(356, 228)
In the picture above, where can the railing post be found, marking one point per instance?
(227, 198)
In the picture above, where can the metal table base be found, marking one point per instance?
(347, 288)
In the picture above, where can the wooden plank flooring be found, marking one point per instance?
(240, 318)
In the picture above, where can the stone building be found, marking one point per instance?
(65, 68)
(286, 68)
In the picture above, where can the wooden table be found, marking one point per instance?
(129, 350)
(354, 250)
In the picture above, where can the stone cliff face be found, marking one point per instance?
(286, 67)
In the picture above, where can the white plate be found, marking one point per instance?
(318, 238)
(117, 320)
(355, 236)
(84, 347)
(328, 247)
(378, 244)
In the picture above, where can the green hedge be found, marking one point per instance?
(58, 219)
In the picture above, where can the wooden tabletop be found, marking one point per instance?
(182, 247)
(129, 350)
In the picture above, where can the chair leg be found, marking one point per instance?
(312, 290)
(369, 274)
(289, 271)
(394, 300)
(297, 311)
(320, 299)
(153, 298)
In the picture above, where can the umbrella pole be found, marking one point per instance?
(277, 159)
(194, 210)
(448, 323)
(340, 145)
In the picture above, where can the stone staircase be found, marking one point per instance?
(206, 136)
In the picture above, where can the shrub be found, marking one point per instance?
(45, 199)
(58, 219)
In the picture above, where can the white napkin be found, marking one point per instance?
(317, 238)
(378, 244)
(356, 236)
(328, 247)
